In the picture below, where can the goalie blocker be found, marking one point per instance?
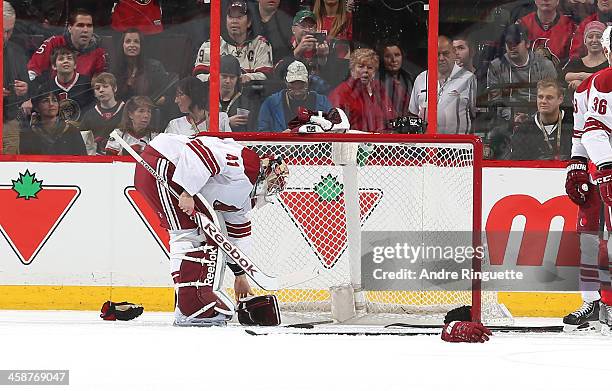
(259, 311)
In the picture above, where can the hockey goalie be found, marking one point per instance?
(233, 180)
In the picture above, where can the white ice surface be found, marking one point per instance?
(150, 354)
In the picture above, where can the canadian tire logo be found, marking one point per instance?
(149, 218)
(319, 214)
(31, 212)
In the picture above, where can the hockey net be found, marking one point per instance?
(343, 185)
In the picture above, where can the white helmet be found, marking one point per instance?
(605, 38)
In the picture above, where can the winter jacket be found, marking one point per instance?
(502, 71)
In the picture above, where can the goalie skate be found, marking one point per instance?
(585, 318)
(605, 319)
(181, 320)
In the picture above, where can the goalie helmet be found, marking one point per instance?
(272, 177)
(259, 311)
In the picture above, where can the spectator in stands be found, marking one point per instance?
(80, 38)
(100, 120)
(603, 14)
(145, 16)
(76, 95)
(579, 69)
(549, 30)
(456, 92)
(336, 22)
(397, 81)
(136, 73)
(511, 77)
(42, 17)
(135, 126)
(253, 52)
(48, 133)
(310, 51)
(14, 83)
(273, 24)
(231, 99)
(362, 97)
(578, 10)
(548, 134)
(464, 52)
(192, 100)
(280, 108)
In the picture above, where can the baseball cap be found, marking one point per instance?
(230, 65)
(296, 71)
(303, 15)
(515, 33)
(237, 8)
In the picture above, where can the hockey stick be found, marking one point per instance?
(263, 280)
(501, 329)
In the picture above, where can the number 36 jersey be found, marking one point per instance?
(598, 119)
(221, 170)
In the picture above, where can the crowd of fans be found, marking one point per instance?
(142, 66)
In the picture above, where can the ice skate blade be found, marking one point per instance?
(587, 327)
(181, 320)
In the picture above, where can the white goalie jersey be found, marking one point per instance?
(221, 170)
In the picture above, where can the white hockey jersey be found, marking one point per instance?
(221, 170)
(581, 97)
(598, 123)
(254, 56)
(188, 127)
(137, 143)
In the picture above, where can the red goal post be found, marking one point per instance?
(397, 182)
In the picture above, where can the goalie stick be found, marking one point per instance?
(263, 280)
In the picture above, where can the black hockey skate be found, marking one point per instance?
(585, 318)
(605, 318)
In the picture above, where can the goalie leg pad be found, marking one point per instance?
(259, 311)
(196, 277)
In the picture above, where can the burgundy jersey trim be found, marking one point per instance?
(593, 124)
(205, 155)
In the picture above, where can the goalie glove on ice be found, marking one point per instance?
(463, 331)
(120, 311)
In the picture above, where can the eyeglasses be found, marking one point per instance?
(179, 94)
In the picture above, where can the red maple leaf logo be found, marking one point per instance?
(31, 212)
(319, 214)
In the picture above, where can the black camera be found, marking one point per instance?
(320, 37)
(407, 125)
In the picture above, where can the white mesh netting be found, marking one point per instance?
(401, 187)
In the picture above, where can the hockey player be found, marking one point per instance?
(591, 140)
(230, 177)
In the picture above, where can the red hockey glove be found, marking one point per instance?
(120, 311)
(465, 332)
(603, 179)
(577, 184)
